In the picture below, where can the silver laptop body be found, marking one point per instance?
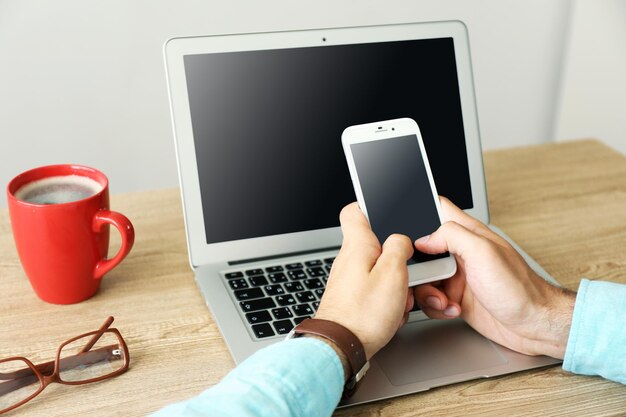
(257, 121)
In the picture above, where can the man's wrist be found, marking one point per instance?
(342, 356)
(335, 317)
(552, 340)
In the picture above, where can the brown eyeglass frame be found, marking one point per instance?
(40, 370)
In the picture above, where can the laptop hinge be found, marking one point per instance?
(283, 255)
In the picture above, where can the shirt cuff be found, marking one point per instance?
(597, 341)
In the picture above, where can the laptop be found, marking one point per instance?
(257, 121)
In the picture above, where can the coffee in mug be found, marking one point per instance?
(60, 218)
(58, 190)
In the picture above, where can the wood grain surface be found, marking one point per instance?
(565, 204)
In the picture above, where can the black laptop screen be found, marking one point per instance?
(267, 128)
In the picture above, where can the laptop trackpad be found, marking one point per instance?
(432, 349)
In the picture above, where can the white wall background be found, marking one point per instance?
(82, 81)
(593, 97)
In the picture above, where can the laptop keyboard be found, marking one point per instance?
(274, 299)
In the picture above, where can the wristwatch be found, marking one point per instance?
(347, 341)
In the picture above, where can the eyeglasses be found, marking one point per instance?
(90, 357)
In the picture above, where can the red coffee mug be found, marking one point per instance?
(63, 247)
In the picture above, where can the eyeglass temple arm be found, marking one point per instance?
(23, 377)
(94, 339)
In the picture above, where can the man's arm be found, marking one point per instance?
(298, 377)
(367, 293)
(597, 338)
(499, 295)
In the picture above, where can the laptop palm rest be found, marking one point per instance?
(432, 349)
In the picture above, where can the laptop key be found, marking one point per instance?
(277, 268)
(302, 310)
(283, 326)
(316, 262)
(319, 292)
(259, 317)
(299, 320)
(329, 261)
(258, 281)
(313, 283)
(316, 271)
(255, 271)
(237, 284)
(285, 300)
(316, 305)
(281, 313)
(274, 289)
(248, 294)
(258, 304)
(262, 330)
(231, 275)
(296, 265)
(296, 274)
(277, 277)
(293, 286)
(305, 297)
(328, 268)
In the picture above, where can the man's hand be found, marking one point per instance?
(494, 290)
(367, 291)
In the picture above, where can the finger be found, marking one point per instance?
(397, 249)
(454, 238)
(453, 310)
(405, 318)
(359, 242)
(430, 297)
(410, 300)
(354, 225)
(455, 286)
(453, 213)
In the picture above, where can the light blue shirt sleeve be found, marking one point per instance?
(597, 339)
(300, 377)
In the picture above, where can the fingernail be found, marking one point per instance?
(452, 311)
(434, 302)
(423, 239)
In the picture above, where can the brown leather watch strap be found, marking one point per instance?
(345, 340)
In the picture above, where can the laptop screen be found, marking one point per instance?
(267, 128)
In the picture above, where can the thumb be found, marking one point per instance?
(450, 237)
(397, 249)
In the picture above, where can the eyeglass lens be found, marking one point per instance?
(105, 357)
(17, 383)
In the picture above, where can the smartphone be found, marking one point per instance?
(395, 190)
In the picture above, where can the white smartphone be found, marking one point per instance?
(395, 189)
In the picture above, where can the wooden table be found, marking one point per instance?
(564, 203)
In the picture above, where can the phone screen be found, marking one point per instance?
(396, 191)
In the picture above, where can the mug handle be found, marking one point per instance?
(125, 227)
